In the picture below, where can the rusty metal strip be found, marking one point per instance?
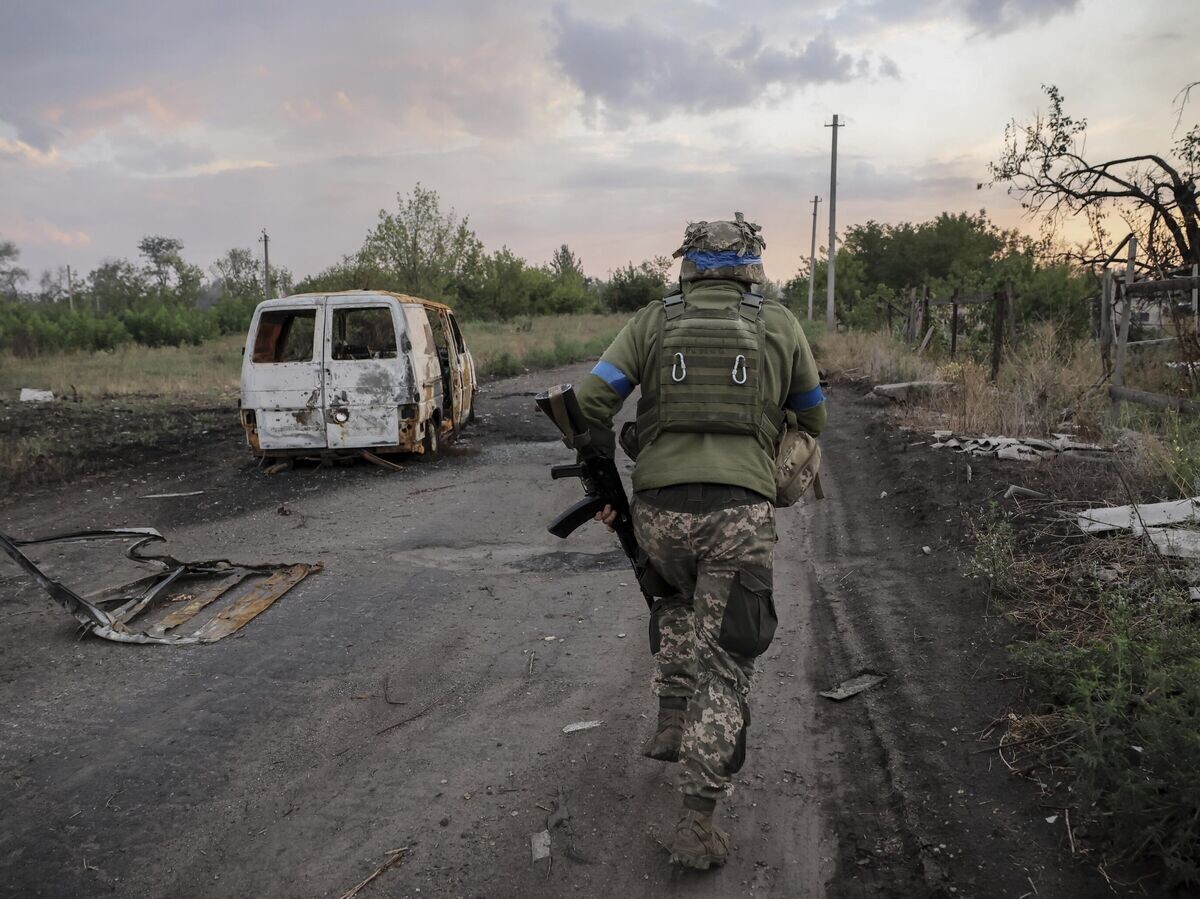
(112, 626)
(256, 600)
(187, 612)
(380, 461)
(129, 611)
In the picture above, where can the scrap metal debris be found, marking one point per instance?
(172, 495)
(1021, 449)
(539, 845)
(1135, 517)
(33, 395)
(581, 725)
(1022, 492)
(1155, 521)
(109, 613)
(1175, 542)
(861, 682)
(903, 392)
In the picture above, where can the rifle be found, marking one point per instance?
(601, 484)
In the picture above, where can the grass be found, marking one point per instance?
(1111, 659)
(212, 370)
(879, 357)
(510, 348)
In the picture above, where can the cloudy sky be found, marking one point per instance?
(603, 125)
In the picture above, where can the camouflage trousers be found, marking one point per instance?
(708, 632)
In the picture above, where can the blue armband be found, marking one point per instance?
(809, 399)
(614, 378)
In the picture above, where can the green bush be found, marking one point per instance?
(31, 330)
(1119, 668)
(170, 326)
(1131, 699)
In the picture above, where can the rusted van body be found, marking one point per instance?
(352, 371)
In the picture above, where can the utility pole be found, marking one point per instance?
(812, 258)
(830, 319)
(265, 240)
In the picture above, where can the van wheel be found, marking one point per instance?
(429, 442)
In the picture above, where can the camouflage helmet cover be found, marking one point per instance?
(723, 249)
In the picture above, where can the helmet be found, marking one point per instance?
(722, 250)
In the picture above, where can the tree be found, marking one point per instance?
(632, 287)
(566, 265)
(161, 255)
(12, 276)
(239, 274)
(421, 250)
(117, 285)
(1045, 167)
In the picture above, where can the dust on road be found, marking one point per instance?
(413, 696)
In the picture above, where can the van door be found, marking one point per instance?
(427, 374)
(467, 368)
(365, 378)
(452, 367)
(283, 375)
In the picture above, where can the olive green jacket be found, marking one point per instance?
(685, 458)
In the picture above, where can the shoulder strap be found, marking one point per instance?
(751, 306)
(673, 305)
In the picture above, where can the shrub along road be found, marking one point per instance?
(413, 695)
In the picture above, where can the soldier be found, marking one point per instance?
(722, 372)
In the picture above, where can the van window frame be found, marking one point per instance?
(308, 311)
(342, 308)
(459, 342)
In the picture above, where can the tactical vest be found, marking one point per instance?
(708, 375)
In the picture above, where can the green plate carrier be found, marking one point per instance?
(708, 375)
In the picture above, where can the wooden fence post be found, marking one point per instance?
(1106, 292)
(1195, 301)
(1118, 377)
(926, 321)
(998, 319)
(1011, 308)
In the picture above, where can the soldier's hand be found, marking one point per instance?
(608, 515)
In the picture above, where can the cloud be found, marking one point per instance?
(221, 166)
(632, 69)
(995, 17)
(987, 17)
(41, 233)
(23, 152)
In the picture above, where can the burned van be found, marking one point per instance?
(353, 371)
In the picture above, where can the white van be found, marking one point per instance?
(360, 369)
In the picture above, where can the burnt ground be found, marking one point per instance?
(410, 696)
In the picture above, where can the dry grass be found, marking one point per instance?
(870, 354)
(1044, 387)
(504, 348)
(209, 370)
(213, 369)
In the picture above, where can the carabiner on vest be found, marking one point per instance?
(739, 361)
(678, 368)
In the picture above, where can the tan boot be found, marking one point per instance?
(664, 745)
(698, 842)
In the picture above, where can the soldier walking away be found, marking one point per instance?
(725, 375)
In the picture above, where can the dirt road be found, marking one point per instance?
(414, 694)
